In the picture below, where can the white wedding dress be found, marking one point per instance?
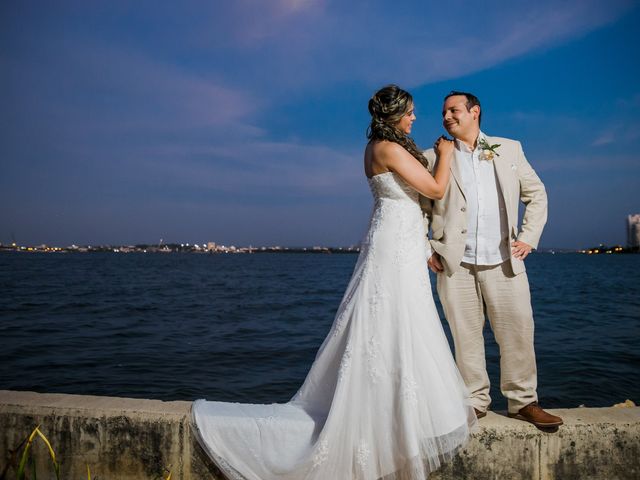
(383, 398)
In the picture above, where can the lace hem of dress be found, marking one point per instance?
(434, 452)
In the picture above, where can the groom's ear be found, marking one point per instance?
(475, 111)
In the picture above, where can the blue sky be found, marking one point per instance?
(244, 122)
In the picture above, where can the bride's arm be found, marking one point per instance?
(413, 172)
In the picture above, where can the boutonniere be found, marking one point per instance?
(488, 151)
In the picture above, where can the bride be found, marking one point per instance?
(383, 398)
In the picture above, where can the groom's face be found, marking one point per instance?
(456, 119)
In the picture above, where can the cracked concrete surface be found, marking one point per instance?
(124, 438)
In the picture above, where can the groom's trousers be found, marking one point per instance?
(466, 296)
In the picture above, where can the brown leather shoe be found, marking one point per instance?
(533, 413)
(479, 414)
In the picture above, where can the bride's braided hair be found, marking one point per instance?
(387, 106)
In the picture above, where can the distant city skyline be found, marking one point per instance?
(244, 122)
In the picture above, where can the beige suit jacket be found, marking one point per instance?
(517, 182)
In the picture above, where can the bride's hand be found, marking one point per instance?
(443, 147)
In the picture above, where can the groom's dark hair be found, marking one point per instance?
(472, 101)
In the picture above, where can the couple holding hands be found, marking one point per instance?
(384, 398)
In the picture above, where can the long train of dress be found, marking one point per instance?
(383, 398)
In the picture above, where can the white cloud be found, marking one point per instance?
(261, 167)
(412, 43)
(604, 138)
(621, 134)
(97, 90)
(622, 164)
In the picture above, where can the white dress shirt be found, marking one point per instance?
(487, 230)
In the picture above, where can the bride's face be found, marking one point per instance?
(405, 123)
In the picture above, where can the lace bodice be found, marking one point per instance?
(391, 186)
(396, 226)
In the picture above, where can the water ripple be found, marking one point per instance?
(247, 327)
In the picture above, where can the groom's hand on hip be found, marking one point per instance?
(435, 264)
(520, 250)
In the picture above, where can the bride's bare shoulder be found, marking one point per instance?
(383, 148)
(377, 157)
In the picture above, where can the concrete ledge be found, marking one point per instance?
(121, 438)
(593, 444)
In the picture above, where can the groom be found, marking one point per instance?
(479, 257)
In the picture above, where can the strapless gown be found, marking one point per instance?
(383, 398)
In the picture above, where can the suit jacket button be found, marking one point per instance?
(463, 209)
(464, 231)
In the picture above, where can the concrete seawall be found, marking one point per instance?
(131, 439)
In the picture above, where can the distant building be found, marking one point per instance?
(633, 231)
(211, 246)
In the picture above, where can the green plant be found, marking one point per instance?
(26, 456)
(27, 459)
